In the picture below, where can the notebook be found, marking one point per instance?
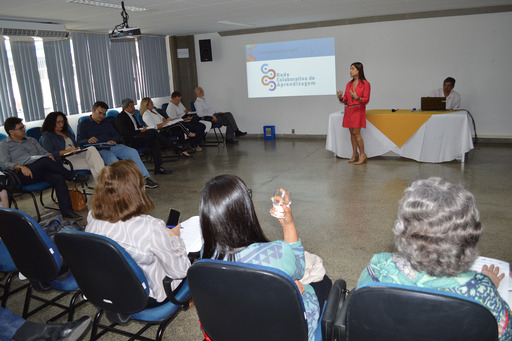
(433, 103)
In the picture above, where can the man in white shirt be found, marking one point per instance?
(224, 118)
(452, 96)
(176, 109)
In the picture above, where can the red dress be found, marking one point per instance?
(355, 111)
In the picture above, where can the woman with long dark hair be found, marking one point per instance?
(231, 231)
(357, 96)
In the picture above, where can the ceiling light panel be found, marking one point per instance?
(107, 4)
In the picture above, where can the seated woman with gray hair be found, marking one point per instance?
(436, 233)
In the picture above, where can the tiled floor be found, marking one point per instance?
(344, 213)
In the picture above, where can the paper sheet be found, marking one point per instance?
(504, 288)
(75, 152)
(191, 234)
(170, 123)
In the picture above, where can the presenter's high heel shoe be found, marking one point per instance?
(354, 158)
(362, 160)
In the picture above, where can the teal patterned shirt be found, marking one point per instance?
(392, 268)
(288, 258)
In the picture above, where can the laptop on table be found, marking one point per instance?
(433, 103)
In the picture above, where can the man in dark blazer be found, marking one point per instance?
(136, 136)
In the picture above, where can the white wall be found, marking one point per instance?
(404, 60)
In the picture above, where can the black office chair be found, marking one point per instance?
(382, 311)
(38, 259)
(238, 301)
(112, 281)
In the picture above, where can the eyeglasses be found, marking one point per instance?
(20, 128)
(101, 113)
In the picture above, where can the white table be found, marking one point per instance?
(443, 137)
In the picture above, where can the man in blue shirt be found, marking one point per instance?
(98, 129)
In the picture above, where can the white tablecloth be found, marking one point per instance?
(444, 137)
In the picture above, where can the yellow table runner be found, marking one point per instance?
(400, 125)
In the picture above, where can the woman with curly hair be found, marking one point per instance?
(59, 140)
(436, 233)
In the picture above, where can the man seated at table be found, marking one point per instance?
(224, 118)
(97, 129)
(452, 96)
(33, 164)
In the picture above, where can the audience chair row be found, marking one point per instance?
(107, 276)
(234, 301)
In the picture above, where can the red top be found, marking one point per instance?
(355, 111)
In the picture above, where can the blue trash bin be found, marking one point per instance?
(269, 132)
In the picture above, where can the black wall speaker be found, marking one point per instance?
(205, 50)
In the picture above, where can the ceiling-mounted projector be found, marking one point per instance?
(123, 30)
(128, 32)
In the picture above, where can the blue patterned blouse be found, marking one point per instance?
(288, 258)
(392, 268)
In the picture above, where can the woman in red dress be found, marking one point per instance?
(357, 95)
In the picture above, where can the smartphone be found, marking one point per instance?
(173, 218)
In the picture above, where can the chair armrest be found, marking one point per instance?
(340, 321)
(170, 294)
(335, 300)
(67, 162)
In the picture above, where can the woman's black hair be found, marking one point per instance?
(51, 121)
(228, 219)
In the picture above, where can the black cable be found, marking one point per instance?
(124, 24)
(124, 15)
(475, 139)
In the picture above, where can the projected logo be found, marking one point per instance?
(268, 76)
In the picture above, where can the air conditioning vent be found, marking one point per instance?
(31, 29)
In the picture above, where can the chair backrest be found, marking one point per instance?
(33, 252)
(164, 110)
(2, 136)
(112, 113)
(71, 131)
(83, 118)
(6, 263)
(106, 274)
(381, 311)
(34, 132)
(138, 117)
(237, 301)
(192, 106)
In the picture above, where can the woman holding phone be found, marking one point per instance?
(357, 96)
(119, 211)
